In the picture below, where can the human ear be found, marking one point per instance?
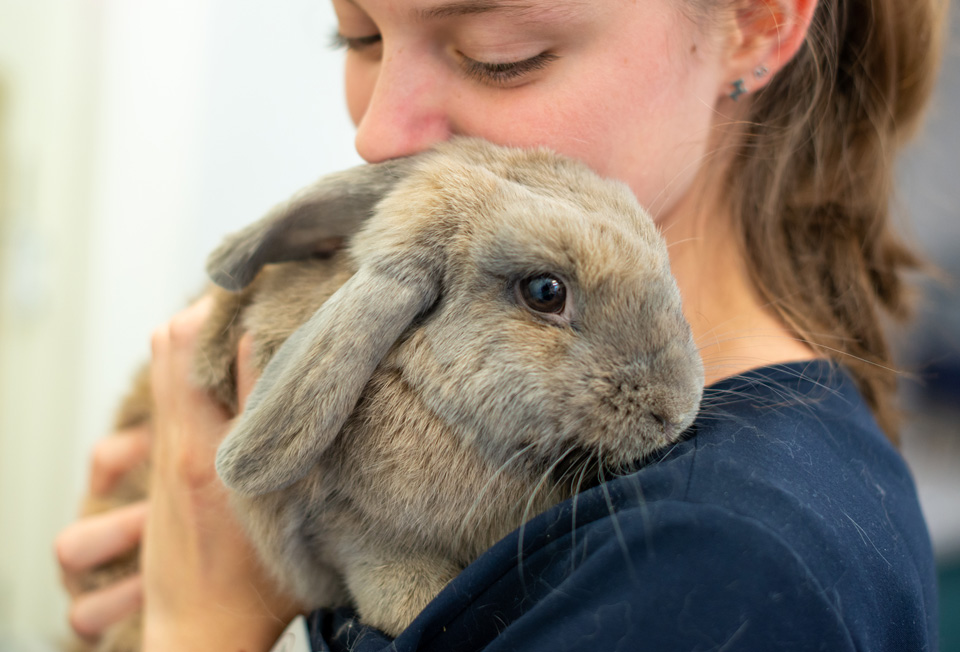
(767, 35)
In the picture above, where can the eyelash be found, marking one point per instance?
(495, 73)
(340, 42)
(504, 73)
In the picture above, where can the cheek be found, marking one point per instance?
(653, 111)
(646, 121)
(660, 133)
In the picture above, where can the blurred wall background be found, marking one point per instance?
(930, 348)
(135, 133)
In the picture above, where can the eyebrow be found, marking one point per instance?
(471, 7)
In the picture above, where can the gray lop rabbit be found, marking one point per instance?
(502, 324)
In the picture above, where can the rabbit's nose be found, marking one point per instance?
(672, 428)
(669, 427)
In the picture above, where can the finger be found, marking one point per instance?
(176, 339)
(188, 422)
(246, 371)
(97, 539)
(173, 352)
(92, 613)
(115, 456)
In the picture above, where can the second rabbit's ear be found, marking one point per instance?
(313, 383)
(336, 206)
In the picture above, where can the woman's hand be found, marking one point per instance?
(204, 587)
(94, 540)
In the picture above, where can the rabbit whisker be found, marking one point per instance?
(581, 476)
(615, 520)
(468, 517)
(544, 477)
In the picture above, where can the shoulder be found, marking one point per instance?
(681, 576)
(796, 448)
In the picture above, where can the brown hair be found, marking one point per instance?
(811, 182)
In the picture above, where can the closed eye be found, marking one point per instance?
(496, 74)
(339, 42)
(504, 73)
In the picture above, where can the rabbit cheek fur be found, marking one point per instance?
(621, 380)
(458, 434)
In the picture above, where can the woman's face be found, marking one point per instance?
(628, 86)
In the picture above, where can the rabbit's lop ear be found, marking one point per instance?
(336, 206)
(312, 384)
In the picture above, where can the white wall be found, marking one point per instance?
(134, 134)
(212, 111)
(46, 64)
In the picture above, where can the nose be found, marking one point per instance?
(407, 111)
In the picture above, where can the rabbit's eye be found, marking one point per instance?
(543, 293)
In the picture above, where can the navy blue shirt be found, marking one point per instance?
(786, 521)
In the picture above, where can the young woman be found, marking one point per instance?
(761, 135)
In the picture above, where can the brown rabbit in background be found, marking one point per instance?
(502, 324)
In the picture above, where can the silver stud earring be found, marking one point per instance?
(760, 71)
(738, 90)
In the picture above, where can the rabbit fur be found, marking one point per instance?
(414, 406)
